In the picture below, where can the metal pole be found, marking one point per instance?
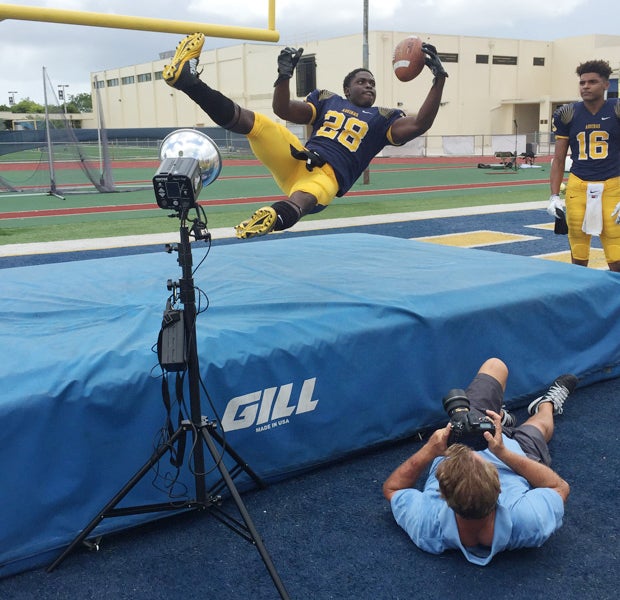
(188, 298)
(97, 97)
(64, 97)
(366, 178)
(52, 191)
(365, 42)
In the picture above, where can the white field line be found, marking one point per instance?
(228, 232)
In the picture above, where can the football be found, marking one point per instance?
(408, 59)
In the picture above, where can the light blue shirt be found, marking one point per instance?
(524, 517)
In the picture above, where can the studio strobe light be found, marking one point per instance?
(190, 161)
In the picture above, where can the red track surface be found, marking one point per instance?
(457, 161)
(55, 212)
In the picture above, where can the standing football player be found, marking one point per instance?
(591, 128)
(347, 132)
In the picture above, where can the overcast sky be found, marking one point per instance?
(71, 52)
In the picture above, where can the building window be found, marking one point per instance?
(98, 84)
(448, 57)
(112, 82)
(159, 75)
(538, 61)
(482, 59)
(128, 80)
(142, 77)
(504, 60)
(306, 75)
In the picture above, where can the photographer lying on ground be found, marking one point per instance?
(486, 501)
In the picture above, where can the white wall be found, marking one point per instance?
(479, 99)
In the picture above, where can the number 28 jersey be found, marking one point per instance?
(348, 136)
(594, 139)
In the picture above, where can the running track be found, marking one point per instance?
(55, 212)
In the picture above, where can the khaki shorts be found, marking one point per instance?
(485, 393)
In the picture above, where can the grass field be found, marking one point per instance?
(395, 186)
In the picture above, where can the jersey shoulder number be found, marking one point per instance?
(325, 95)
(388, 113)
(566, 113)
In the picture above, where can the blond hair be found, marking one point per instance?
(469, 485)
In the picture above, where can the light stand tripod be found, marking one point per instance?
(202, 430)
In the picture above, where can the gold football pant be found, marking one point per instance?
(575, 212)
(271, 144)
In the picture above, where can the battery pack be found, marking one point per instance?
(171, 348)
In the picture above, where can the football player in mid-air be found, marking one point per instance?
(347, 132)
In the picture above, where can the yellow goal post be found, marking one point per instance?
(75, 17)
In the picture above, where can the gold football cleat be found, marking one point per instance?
(261, 222)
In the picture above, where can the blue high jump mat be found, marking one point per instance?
(311, 349)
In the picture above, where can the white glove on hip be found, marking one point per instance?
(616, 213)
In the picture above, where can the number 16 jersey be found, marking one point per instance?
(594, 139)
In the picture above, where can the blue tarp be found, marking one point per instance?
(310, 349)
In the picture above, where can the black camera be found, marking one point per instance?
(466, 429)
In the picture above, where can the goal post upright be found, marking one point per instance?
(136, 23)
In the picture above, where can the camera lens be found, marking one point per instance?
(454, 400)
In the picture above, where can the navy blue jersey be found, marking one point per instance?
(594, 139)
(347, 136)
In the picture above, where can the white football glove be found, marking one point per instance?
(616, 213)
(555, 203)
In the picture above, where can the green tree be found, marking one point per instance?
(80, 103)
(27, 106)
